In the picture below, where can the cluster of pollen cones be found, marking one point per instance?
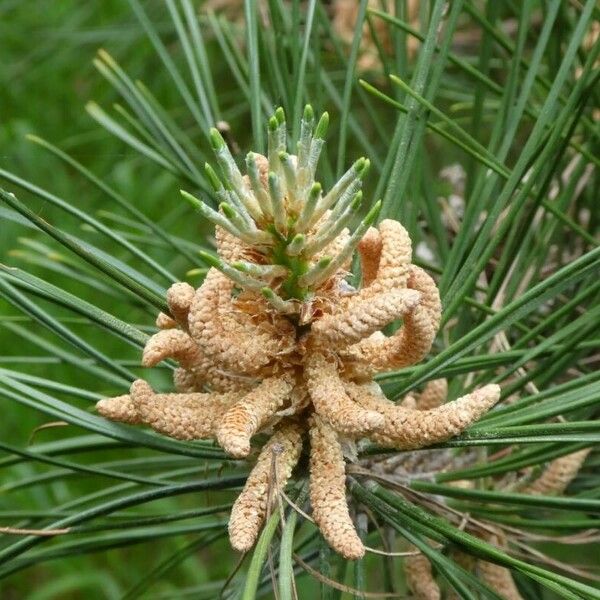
(277, 341)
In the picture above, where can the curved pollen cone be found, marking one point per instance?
(328, 491)
(179, 299)
(121, 409)
(434, 395)
(420, 280)
(171, 343)
(395, 257)
(419, 577)
(274, 467)
(174, 343)
(231, 340)
(164, 321)
(408, 346)
(497, 577)
(331, 401)
(558, 474)
(181, 416)
(409, 429)
(413, 341)
(229, 247)
(360, 319)
(409, 401)
(203, 317)
(369, 250)
(184, 381)
(197, 368)
(251, 413)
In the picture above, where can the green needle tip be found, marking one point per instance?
(359, 164)
(324, 262)
(364, 169)
(227, 210)
(191, 199)
(209, 258)
(322, 126)
(213, 178)
(356, 201)
(216, 139)
(372, 214)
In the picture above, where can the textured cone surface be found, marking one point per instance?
(408, 429)
(558, 475)
(499, 579)
(268, 477)
(419, 578)
(171, 343)
(328, 491)
(365, 317)
(395, 257)
(331, 401)
(120, 408)
(179, 299)
(369, 250)
(249, 414)
(180, 416)
(434, 395)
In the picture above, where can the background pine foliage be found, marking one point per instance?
(96, 232)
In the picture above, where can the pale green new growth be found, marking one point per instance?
(317, 142)
(262, 271)
(281, 305)
(296, 245)
(262, 197)
(208, 213)
(277, 200)
(289, 171)
(334, 225)
(279, 211)
(349, 247)
(274, 142)
(234, 274)
(306, 128)
(255, 237)
(233, 175)
(307, 216)
(352, 177)
(241, 224)
(315, 272)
